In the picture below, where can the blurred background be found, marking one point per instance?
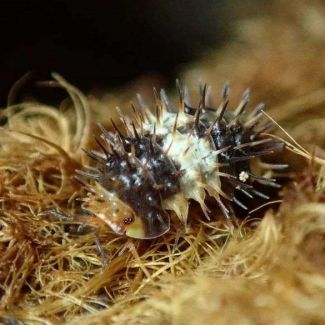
(103, 44)
(276, 47)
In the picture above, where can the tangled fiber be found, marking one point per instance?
(70, 268)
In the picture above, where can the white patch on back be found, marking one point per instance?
(196, 156)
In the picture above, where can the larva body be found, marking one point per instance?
(162, 160)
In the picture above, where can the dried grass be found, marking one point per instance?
(270, 271)
(54, 271)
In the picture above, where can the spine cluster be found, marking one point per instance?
(163, 158)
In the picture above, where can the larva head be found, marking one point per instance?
(121, 218)
(130, 182)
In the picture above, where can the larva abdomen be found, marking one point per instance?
(162, 160)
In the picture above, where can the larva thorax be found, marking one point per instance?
(162, 160)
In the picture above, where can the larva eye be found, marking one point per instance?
(128, 220)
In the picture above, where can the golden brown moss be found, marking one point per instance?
(53, 271)
(267, 271)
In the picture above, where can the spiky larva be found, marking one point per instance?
(162, 160)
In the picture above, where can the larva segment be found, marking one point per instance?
(113, 211)
(131, 180)
(168, 156)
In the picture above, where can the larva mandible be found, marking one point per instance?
(162, 160)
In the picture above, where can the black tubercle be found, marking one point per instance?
(141, 175)
(142, 161)
(227, 129)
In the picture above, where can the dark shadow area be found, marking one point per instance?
(105, 43)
